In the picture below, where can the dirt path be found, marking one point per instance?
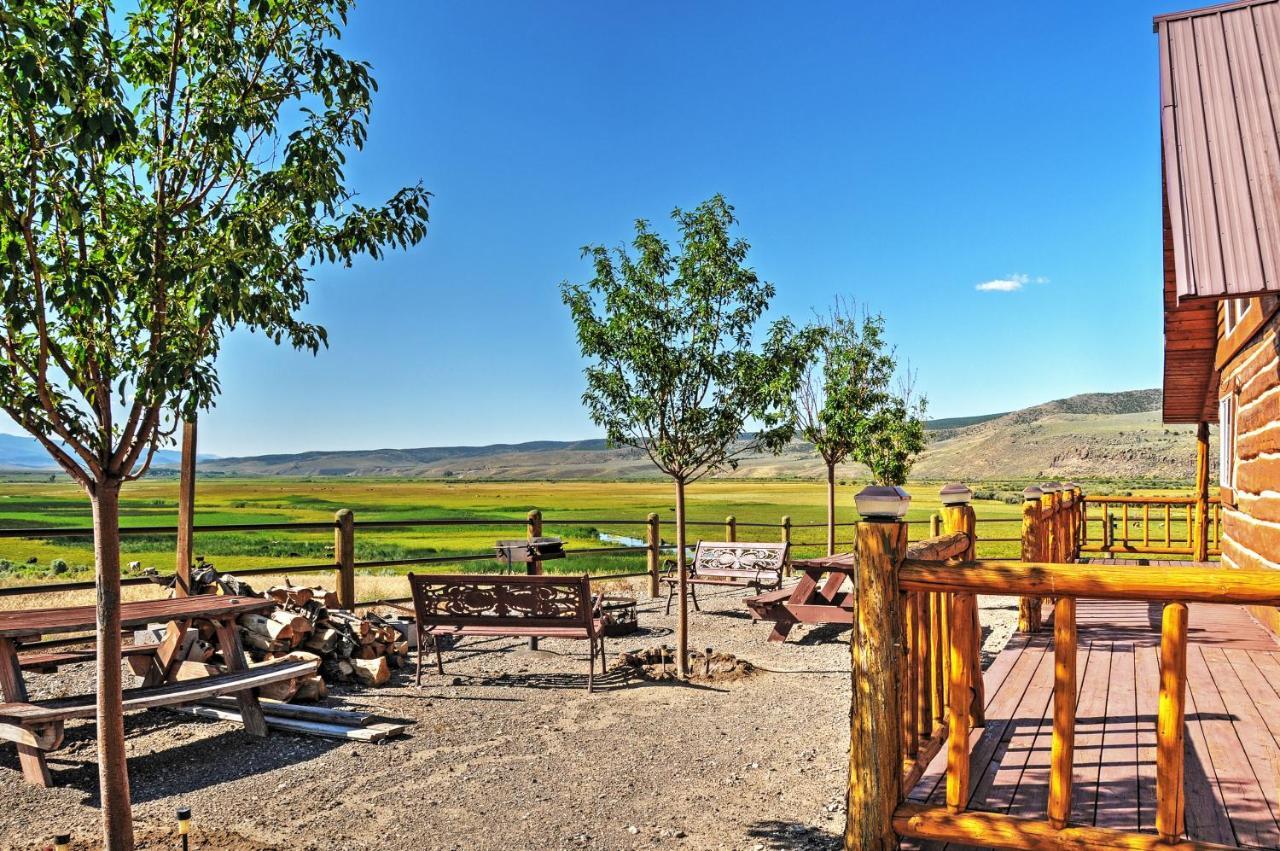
(508, 752)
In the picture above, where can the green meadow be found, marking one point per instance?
(601, 509)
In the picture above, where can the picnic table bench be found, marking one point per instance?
(36, 726)
(730, 564)
(811, 600)
(509, 605)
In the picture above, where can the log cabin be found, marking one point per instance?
(1220, 145)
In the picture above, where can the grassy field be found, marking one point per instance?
(31, 505)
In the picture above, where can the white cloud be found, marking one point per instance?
(1010, 283)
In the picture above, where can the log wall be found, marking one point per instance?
(1251, 510)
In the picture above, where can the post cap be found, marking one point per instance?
(62, 839)
(184, 813)
(1071, 486)
(956, 493)
(882, 502)
(1032, 493)
(1050, 487)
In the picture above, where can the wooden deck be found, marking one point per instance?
(1233, 726)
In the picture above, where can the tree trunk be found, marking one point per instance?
(831, 508)
(682, 629)
(113, 770)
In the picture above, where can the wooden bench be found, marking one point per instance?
(38, 723)
(731, 564)
(48, 661)
(509, 605)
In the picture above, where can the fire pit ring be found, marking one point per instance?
(621, 612)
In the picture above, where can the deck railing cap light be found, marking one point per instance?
(1031, 493)
(882, 502)
(1050, 487)
(956, 493)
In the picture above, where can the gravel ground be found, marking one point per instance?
(508, 751)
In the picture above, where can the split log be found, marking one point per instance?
(372, 672)
(322, 641)
(269, 628)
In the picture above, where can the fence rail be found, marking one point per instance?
(346, 567)
(1156, 525)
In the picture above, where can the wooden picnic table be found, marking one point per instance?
(813, 599)
(36, 727)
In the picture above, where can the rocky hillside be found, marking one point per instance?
(1094, 435)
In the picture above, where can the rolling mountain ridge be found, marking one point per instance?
(1093, 435)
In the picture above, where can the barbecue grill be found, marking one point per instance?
(511, 553)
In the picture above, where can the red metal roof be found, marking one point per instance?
(1220, 129)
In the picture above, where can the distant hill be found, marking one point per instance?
(1094, 435)
(26, 453)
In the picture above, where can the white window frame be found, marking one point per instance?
(1233, 310)
(1227, 441)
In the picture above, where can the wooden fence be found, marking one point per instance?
(649, 550)
(907, 706)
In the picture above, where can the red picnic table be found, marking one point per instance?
(36, 725)
(812, 600)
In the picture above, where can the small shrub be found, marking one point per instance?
(58, 566)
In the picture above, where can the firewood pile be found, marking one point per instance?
(352, 648)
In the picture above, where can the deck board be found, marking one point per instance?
(1233, 726)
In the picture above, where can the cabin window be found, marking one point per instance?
(1234, 309)
(1227, 441)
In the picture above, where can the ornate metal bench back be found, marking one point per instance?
(474, 600)
(742, 559)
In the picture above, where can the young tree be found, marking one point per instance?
(845, 386)
(167, 174)
(673, 368)
(894, 435)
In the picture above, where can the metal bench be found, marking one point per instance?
(729, 564)
(510, 605)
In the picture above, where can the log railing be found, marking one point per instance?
(883, 675)
(1155, 525)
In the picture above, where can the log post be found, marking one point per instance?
(786, 539)
(964, 614)
(186, 511)
(1029, 607)
(923, 673)
(1049, 537)
(1062, 747)
(653, 540)
(344, 553)
(1172, 708)
(877, 659)
(731, 528)
(958, 516)
(1202, 492)
(935, 525)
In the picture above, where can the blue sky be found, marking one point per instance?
(898, 155)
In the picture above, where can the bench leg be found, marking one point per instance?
(232, 651)
(693, 595)
(34, 768)
(603, 662)
(671, 592)
(591, 667)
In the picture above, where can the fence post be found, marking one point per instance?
(731, 528)
(344, 554)
(1202, 492)
(1029, 607)
(786, 539)
(958, 516)
(653, 541)
(1107, 531)
(534, 531)
(935, 525)
(877, 659)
